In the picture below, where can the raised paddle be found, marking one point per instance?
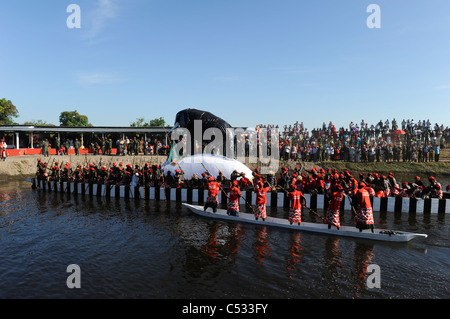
(214, 179)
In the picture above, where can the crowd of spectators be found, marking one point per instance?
(383, 141)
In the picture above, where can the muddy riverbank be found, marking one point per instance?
(19, 167)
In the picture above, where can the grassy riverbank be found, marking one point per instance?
(441, 168)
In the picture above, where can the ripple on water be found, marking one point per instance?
(140, 249)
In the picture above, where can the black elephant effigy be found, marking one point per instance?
(199, 122)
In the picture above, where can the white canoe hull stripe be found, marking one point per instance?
(344, 231)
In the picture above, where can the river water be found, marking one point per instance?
(151, 249)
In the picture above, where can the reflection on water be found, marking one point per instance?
(295, 255)
(261, 246)
(363, 257)
(151, 249)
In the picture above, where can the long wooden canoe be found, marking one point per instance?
(344, 231)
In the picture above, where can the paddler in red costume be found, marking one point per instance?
(3, 147)
(297, 198)
(352, 183)
(334, 207)
(233, 199)
(261, 190)
(244, 182)
(213, 194)
(364, 216)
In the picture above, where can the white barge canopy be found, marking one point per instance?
(214, 163)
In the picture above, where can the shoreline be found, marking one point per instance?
(20, 167)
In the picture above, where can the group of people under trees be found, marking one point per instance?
(334, 185)
(104, 146)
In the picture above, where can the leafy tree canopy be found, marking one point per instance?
(140, 122)
(73, 119)
(7, 112)
(38, 123)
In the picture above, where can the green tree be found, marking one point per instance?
(7, 112)
(73, 119)
(140, 122)
(158, 122)
(38, 123)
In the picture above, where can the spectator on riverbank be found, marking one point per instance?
(365, 143)
(3, 153)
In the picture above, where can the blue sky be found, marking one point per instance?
(247, 61)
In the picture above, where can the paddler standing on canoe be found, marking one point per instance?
(233, 199)
(213, 194)
(261, 190)
(297, 198)
(364, 216)
(334, 207)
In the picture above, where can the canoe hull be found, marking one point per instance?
(344, 231)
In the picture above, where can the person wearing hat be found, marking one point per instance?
(418, 182)
(395, 191)
(78, 174)
(39, 168)
(364, 217)
(102, 175)
(334, 207)
(66, 173)
(127, 178)
(233, 199)
(195, 182)
(244, 182)
(391, 179)
(177, 178)
(234, 175)
(430, 188)
(54, 176)
(437, 192)
(295, 212)
(213, 194)
(92, 174)
(220, 178)
(3, 147)
(261, 190)
(204, 180)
